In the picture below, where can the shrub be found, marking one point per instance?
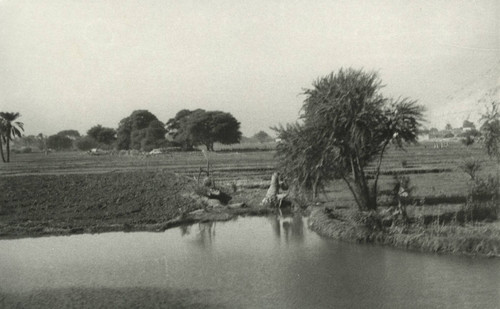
(482, 189)
(482, 201)
(468, 140)
(402, 184)
(479, 210)
(59, 142)
(471, 166)
(371, 220)
(404, 163)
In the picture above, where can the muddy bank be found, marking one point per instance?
(121, 201)
(481, 239)
(39, 229)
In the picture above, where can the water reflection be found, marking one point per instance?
(288, 227)
(285, 227)
(249, 262)
(206, 234)
(185, 229)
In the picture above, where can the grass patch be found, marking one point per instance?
(349, 225)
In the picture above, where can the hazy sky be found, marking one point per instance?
(74, 64)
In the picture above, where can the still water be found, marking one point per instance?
(255, 262)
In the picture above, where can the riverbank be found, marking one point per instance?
(470, 239)
(43, 205)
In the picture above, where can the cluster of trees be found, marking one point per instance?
(200, 127)
(141, 131)
(346, 123)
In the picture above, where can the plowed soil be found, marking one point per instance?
(35, 205)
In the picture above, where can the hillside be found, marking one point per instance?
(468, 101)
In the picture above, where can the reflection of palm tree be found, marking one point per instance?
(290, 226)
(10, 129)
(287, 228)
(185, 229)
(298, 227)
(207, 231)
(275, 224)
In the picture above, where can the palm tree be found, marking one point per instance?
(2, 137)
(10, 129)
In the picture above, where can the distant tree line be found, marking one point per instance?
(143, 131)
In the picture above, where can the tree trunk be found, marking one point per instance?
(360, 182)
(8, 150)
(1, 150)
(271, 199)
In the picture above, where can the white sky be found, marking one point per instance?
(74, 64)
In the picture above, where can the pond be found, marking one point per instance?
(252, 262)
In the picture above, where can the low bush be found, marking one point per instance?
(484, 189)
(482, 202)
(471, 166)
(467, 140)
(478, 211)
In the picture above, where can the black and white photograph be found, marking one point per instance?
(249, 154)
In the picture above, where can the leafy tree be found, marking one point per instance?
(140, 125)
(472, 133)
(73, 134)
(448, 127)
(348, 123)
(206, 128)
(491, 130)
(302, 161)
(468, 124)
(41, 141)
(176, 123)
(59, 142)
(9, 129)
(102, 135)
(154, 135)
(200, 127)
(178, 128)
(467, 140)
(86, 143)
(262, 136)
(123, 133)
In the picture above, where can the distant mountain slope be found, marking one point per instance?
(469, 101)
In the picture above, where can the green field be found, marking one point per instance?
(72, 191)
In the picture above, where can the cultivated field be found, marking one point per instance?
(75, 192)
